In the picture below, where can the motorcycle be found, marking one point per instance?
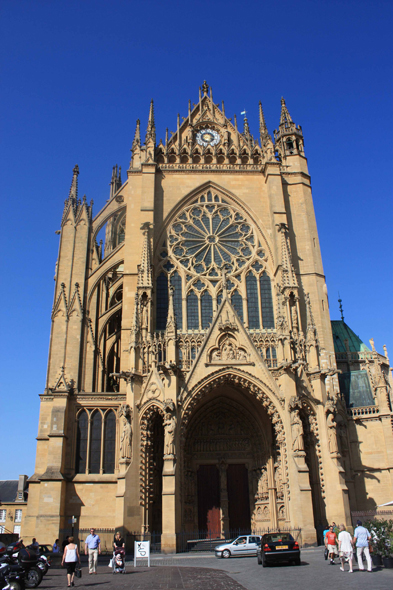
(11, 579)
(21, 559)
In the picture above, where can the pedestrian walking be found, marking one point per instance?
(70, 559)
(345, 548)
(361, 537)
(330, 543)
(56, 547)
(93, 549)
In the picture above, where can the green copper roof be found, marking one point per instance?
(343, 332)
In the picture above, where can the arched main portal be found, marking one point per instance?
(233, 474)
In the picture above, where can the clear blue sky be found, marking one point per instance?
(77, 75)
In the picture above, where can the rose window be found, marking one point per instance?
(207, 237)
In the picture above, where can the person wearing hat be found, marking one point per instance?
(361, 537)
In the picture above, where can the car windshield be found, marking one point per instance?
(277, 538)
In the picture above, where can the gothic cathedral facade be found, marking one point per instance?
(194, 377)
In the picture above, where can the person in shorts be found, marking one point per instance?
(70, 559)
(331, 543)
(345, 548)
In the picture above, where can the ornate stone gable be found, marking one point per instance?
(227, 344)
(153, 390)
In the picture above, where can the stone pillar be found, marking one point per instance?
(222, 467)
(168, 537)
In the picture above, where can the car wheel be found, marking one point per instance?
(259, 559)
(298, 561)
(264, 564)
(226, 553)
(33, 577)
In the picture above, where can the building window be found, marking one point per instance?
(162, 301)
(206, 310)
(121, 231)
(266, 301)
(192, 312)
(252, 299)
(3, 515)
(17, 529)
(109, 442)
(2, 529)
(81, 443)
(18, 515)
(177, 299)
(95, 443)
(237, 303)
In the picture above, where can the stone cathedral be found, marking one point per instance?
(196, 383)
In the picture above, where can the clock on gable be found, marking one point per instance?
(207, 137)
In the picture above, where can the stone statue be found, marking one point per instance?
(228, 352)
(297, 433)
(263, 486)
(126, 437)
(332, 436)
(170, 431)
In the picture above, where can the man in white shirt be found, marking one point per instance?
(345, 548)
(362, 537)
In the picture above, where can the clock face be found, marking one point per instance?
(207, 137)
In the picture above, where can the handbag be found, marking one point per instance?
(78, 572)
(110, 564)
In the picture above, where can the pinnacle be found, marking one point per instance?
(285, 118)
(205, 87)
(73, 194)
(262, 123)
(137, 136)
(151, 127)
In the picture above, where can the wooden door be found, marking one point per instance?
(238, 499)
(209, 513)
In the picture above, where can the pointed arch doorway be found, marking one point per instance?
(230, 459)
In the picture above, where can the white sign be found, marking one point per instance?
(142, 551)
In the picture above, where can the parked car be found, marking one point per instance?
(243, 545)
(278, 547)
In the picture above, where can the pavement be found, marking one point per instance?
(206, 572)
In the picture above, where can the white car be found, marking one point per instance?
(244, 545)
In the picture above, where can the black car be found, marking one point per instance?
(278, 547)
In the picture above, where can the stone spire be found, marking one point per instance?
(285, 119)
(144, 268)
(135, 326)
(73, 195)
(289, 279)
(151, 126)
(311, 327)
(171, 319)
(266, 140)
(115, 182)
(137, 136)
(262, 123)
(289, 137)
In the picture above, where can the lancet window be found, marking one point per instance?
(210, 239)
(95, 441)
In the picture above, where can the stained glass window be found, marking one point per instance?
(209, 234)
(252, 300)
(206, 309)
(109, 442)
(177, 299)
(95, 443)
(266, 301)
(237, 303)
(192, 312)
(81, 443)
(162, 301)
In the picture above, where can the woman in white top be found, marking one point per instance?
(71, 558)
(345, 548)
